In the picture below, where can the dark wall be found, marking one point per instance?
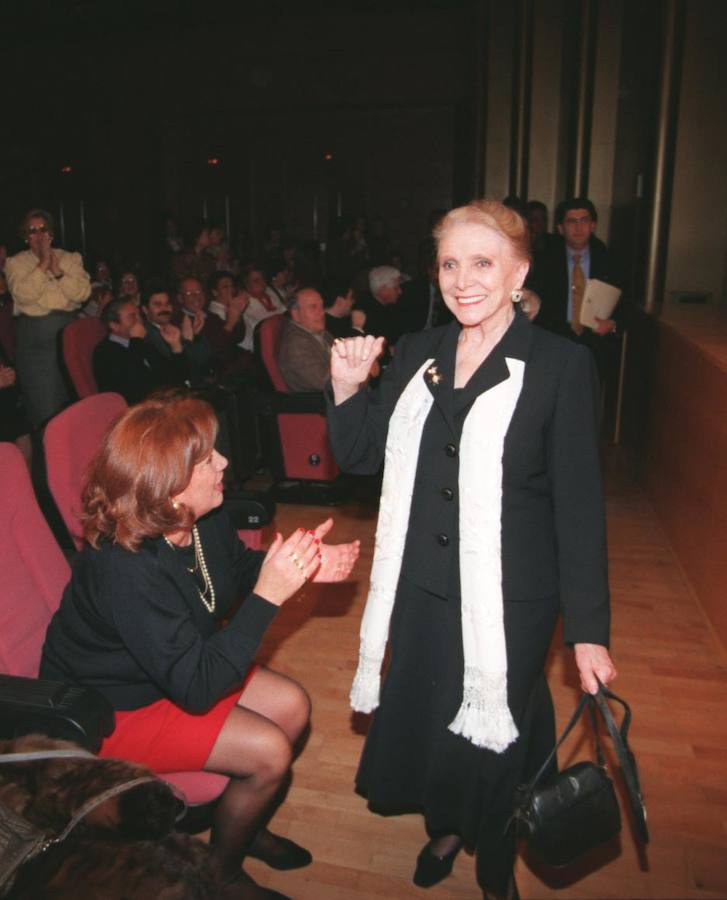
(137, 102)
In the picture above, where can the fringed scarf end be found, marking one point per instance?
(484, 717)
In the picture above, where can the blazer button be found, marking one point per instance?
(447, 493)
(442, 540)
(451, 449)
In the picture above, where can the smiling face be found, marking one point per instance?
(204, 491)
(478, 272)
(191, 295)
(158, 309)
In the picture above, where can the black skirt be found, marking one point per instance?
(412, 762)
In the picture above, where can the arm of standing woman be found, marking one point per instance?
(358, 419)
(579, 515)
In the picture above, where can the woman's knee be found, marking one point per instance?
(249, 745)
(298, 709)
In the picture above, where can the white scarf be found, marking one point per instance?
(483, 717)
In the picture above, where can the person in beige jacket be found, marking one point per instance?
(47, 286)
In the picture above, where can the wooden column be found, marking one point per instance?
(522, 79)
(666, 134)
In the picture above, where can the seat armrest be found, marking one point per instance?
(58, 709)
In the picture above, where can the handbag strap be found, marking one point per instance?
(626, 758)
(619, 736)
(586, 700)
(34, 755)
(91, 804)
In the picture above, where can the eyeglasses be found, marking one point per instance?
(38, 229)
(191, 293)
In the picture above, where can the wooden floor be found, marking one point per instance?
(671, 670)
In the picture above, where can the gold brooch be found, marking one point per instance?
(434, 376)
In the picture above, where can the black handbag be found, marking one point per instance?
(577, 810)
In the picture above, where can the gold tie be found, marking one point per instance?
(578, 286)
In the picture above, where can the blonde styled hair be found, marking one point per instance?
(500, 218)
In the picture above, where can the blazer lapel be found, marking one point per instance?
(515, 344)
(439, 377)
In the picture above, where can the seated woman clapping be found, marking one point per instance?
(150, 619)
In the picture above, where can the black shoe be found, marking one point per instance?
(278, 852)
(432, 869)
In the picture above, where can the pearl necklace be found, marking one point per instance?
(208, 589)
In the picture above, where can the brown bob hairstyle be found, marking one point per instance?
(145, 460)
(505, 221)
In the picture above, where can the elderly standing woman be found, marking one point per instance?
(48, 287)
(151, 619)
(491, 524)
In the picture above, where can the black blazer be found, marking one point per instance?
(132, 625)
(552, 514)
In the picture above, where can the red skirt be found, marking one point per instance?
(165, 738)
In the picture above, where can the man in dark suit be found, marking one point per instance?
(126, 363)
(555, 278)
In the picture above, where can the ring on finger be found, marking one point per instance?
(295, 559)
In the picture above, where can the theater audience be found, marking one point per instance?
(281, 279)
(264, 302)
(421, 305)
(382, 317)
(159, 313)
(536, 214)
(128, 364)
(101, 295)
(224, 326)
(304, 356)
(14, 426)
(48, 286)
(196, 261)
(129, 286)
(342, 319)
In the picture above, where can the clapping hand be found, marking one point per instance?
(290, 562)
(172, 335)
(7, 376)
(336, 560)
(198, 322)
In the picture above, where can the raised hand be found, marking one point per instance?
(352, 360)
